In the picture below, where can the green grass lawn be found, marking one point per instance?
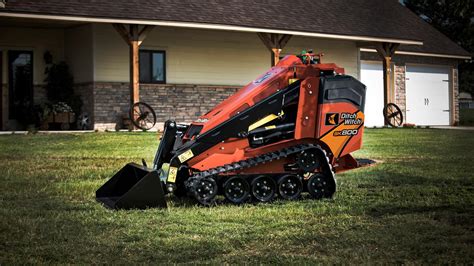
(415, 206)
(466, 117)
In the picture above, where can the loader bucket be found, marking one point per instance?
(133, 187)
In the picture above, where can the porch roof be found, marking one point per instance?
(358, 20)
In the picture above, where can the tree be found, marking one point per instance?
(455, 19)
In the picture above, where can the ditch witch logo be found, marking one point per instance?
(332, 119)
(348, 119)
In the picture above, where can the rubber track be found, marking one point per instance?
(261, 159)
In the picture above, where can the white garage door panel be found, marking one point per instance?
(427, 95)
(371, 74)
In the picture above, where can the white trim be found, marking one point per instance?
(209, 26)
(420, 54)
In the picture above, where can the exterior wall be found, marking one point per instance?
(344, 53)
(411, 59)
(78, 52)
(182, 103)
(73, 45)
(79, 56)
(400, 62)
(208, 57)
(192, 56)
(203, 68)
(38, 40)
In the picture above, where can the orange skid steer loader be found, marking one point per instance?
(286, 133)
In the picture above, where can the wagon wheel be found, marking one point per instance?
(393, 115)
(142, 116)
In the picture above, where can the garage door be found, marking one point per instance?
(371, 74)
(427, 95)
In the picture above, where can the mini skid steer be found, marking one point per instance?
(286, 133)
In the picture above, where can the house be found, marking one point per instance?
(183, 57)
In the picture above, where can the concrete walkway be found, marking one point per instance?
(46, 132)
(452, 127)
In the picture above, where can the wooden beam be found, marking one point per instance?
(122, 31)
(276, 56)
(134, 37)
(274, 43)
(134, 73)
(144, 33)
(134, 64)
(386, 52)
(387, 63)
(266, 40)
(393, 48)
(284, 40)
(133, 32)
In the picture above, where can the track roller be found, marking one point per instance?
(263, 188)
(290, 187)
(319, 186)
(204, 190)
(308, 160)
(236, 190)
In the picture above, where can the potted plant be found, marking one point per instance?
(59, 113)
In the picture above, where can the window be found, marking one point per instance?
(152, 66)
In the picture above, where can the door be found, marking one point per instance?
(20, 83)
(371, 75)
(427, 95)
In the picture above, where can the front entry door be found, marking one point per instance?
(20, 82)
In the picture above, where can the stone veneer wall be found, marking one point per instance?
(86, 92)
(456, 96)
(107, 102)
(4, 99)
(400, 88)
(183, 103)
(400, 62)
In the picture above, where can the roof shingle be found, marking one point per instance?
(369, 18)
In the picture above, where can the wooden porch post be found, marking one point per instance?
(274, 43)
(134, 65)
(134, 38)
(386, 51)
